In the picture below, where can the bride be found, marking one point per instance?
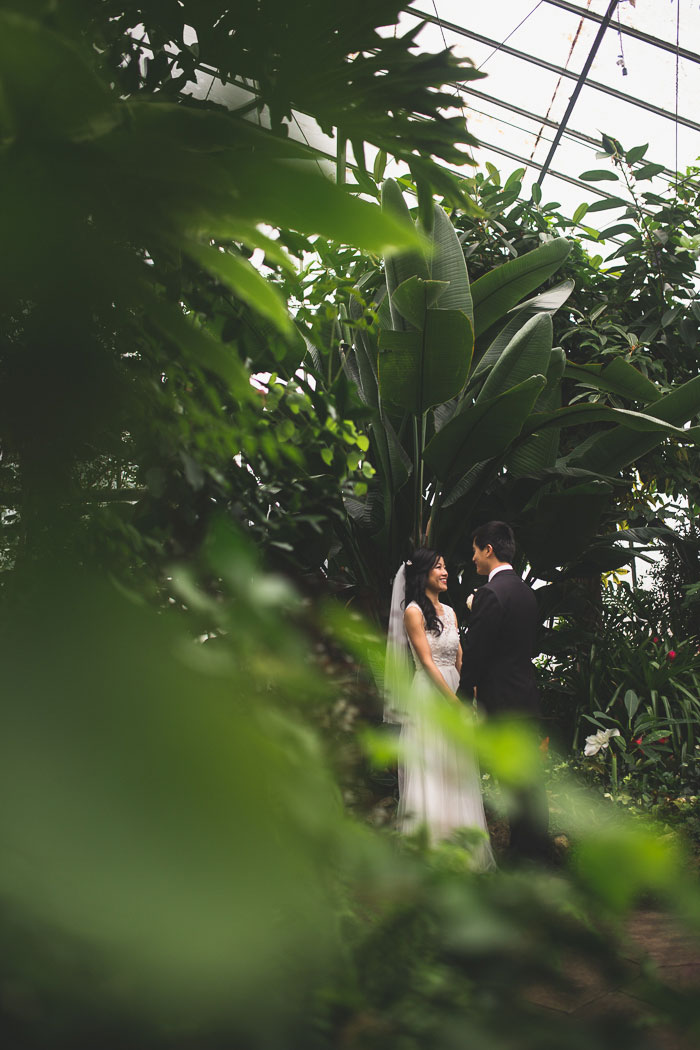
(439, 785)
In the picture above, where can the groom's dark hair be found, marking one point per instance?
(500, 535)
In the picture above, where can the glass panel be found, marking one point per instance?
(636, 68)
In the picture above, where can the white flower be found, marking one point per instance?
(599, 741)
(470, 600)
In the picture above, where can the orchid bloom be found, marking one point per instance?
(599, 741)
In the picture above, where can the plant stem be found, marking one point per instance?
(613, 774)
(341, 159)
(653, 252)
(434, 514)
(416, 484)
(421, 472)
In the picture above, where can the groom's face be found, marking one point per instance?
(482, 558)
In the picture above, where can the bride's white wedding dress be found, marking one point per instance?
(439, 785)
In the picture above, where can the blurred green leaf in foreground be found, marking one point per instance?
(164, 824)
(178, 864)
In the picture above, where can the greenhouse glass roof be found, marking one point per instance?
(631, 69)
(559, 75)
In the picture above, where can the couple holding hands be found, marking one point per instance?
(440, 786)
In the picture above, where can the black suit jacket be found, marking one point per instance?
(499, 647)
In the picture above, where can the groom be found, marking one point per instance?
(497, 666)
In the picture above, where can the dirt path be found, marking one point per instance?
(653, 938)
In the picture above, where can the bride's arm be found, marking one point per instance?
(458, 660)
(415, 629)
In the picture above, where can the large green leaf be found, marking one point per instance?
(208, 188)
(350, 368)
(221, 173)
(400, 461)
(540, 450)
(414, 297)
(482, 430)
(395, 464)
(199, 346)
(489, 358)
(298, 197)
(443, 413)
(527, 354)
(548, 301)
(146, 784)
(421, 369)
(621, 446)
(500, 289)
(365, 356)
(619, 377)
(599, 558)
(61, 99)
(559, 525)
(589, 412)
(376, 510)
(247, 282)
(208, 131)
(384, 312)
(446, 263)
(467, 482)
(400, 265)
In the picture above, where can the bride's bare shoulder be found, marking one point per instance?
(413, 613)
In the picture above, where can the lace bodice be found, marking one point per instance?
(443, 646)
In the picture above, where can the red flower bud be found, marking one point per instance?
(638, 741)
(655, 638)
(672, 654)
(663, 740)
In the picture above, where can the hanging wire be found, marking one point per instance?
(439, 22)
(488, 57)
(558, 84)
(621, 56)
(211, 85)
(580, 81)
(497, 49)
(459, 98)
(317, 162)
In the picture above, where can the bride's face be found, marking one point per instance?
(437, 577)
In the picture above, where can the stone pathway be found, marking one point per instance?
(652, 938)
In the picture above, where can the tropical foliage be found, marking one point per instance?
(180, 868)
(637, 306)
(630, 674)
(469, 404)
(128, 337)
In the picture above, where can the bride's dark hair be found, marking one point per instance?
(417, 568)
